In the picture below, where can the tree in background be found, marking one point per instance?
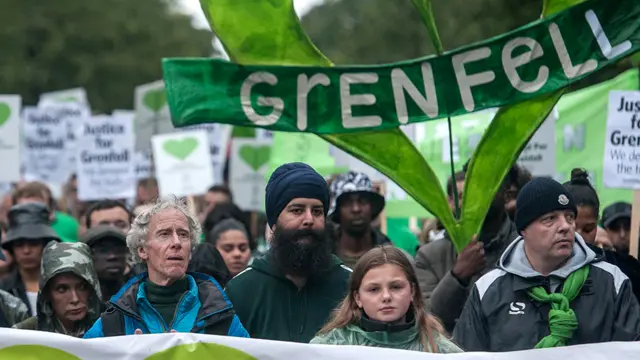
(382, 31)
(106, 46)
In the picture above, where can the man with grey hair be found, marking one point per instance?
(166, 298)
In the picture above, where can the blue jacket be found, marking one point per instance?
(205, 309)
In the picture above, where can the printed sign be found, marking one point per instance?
(152, 115)
(539, 156)
(10, 137)
(76, 95)
(183, 163)
(44, 137)
(248, 169)
(622, 144)
(219, 135)
(144, 164)
(106, 167)
(73, 115)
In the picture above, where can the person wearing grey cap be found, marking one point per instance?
(109, 252)
(616, 219)
(28, 233)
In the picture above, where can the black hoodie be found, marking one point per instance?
(272, 307)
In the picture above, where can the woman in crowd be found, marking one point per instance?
(384, 308)
(69, 298)
(588, 204)
(231, 239)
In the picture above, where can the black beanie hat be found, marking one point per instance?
(290, 181)
(541, 196)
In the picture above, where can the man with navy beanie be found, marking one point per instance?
(289, 293)
(550, 288)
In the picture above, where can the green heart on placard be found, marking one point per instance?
(155, 99)
(67, 99)
(180, 149)
(5, 113)
(255, 156)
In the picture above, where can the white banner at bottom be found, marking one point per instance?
(32, 345)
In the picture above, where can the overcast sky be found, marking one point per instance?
(193, 7)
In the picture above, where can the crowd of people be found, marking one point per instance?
(544, 271)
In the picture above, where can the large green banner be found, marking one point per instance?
(537, 59)
(580, 138)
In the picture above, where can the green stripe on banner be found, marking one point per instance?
(537, 59)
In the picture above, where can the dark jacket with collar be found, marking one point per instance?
(272, 307)
(629, 266)
(13, 284)
(499, 315)
(444, 295)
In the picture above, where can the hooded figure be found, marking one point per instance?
(65, 259)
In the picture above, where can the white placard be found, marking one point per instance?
(621, 169)
(75, 95)
(105, 158)
(219, 135)
(43, 153)
(144, 164)
(539, 156)
(73, 114)
(10, 137)
(183, 163)
(152, 115)
(247, 171)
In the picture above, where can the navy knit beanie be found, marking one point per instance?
(290, 181)
(541, 196)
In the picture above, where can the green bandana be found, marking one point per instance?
(562, 319)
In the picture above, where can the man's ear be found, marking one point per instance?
(142, 253)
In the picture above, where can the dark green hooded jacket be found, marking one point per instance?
(58, 258)
(272, 307)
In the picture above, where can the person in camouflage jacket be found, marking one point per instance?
(69, 298)
(12, 310)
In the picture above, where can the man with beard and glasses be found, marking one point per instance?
(447, 277)
(354, 206)
(289, 293)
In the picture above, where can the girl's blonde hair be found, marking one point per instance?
(349, 313)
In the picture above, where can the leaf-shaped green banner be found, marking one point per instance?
(500, 146)
(268, 32)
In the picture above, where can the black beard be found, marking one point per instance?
(299, 259)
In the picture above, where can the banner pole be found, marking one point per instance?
(635, 224)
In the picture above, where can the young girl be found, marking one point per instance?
(588, 204)
(384, 308)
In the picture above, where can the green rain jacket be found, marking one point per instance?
(407, 339)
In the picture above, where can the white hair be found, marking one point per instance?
(137, 236)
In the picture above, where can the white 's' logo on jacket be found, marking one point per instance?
(516, 308)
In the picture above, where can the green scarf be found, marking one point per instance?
(562, 319)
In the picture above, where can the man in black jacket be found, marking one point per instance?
(550, 288)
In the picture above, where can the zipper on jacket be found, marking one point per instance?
(174, 313)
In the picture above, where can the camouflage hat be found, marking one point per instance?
(75, 258)
(354, 183)
(102, 232)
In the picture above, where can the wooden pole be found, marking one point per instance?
(635, 224)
